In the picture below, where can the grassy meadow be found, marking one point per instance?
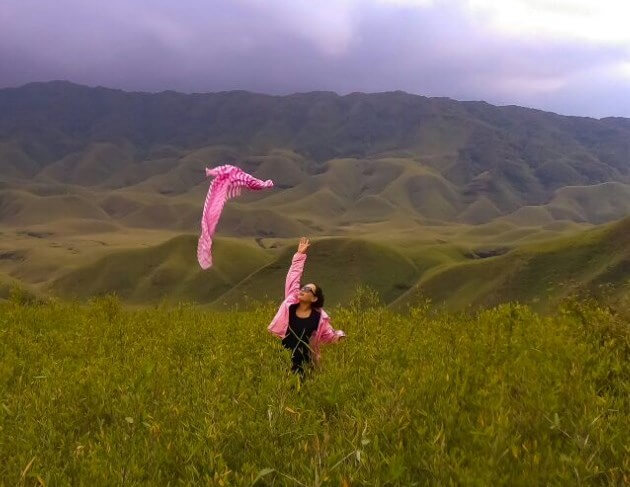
(101, 394)
(430, 220)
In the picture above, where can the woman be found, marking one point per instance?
(300, 321)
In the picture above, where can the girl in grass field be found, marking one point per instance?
(301, 321)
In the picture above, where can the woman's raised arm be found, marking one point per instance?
(294, 276)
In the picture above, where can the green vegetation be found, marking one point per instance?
(98, 395)
(537, 273)
(168, 271)
(106, 196)
(464, 205)
(360, 157)
(477, 272)
(338, 265)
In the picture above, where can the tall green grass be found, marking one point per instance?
(102, 395)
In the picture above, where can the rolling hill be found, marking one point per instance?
(435, 158)
(537, 273)
(94, 182)
(164, 272)
(400, 272)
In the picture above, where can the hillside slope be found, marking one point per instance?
(362, 157)
(535, 273)
(400, 272)
(241, 272)
(338, 265)
(398, 191)
(168, 271)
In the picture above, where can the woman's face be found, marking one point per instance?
(307, 293)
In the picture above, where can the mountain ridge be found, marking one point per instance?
(478, 161)
(96, 173)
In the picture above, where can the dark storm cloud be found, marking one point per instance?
(281, 47)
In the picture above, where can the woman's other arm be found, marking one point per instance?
(329, 334)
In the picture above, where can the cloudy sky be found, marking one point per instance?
(567, 56)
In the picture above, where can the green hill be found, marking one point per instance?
(242, 271)
(435, 158)
(597, 203)
(338, 265)
(416, 183)
(474, 272)
(168, 271)
(537, 273)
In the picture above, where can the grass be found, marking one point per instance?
(144, 266)
(538, 273)
(99, 394)
(597, 203)
(339, 265)
(166, 271)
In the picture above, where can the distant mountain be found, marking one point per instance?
(337, 160)
(467, 203)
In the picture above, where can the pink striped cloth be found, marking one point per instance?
(228, 183)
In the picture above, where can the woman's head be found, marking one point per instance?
(312, 295)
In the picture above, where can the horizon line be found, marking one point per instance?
(332, 92)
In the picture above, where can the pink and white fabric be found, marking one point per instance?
(228, 183)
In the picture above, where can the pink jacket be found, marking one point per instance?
(280, 323)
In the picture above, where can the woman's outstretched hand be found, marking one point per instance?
(303, 245)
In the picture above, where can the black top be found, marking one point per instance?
(300, 329)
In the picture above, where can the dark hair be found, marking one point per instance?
(319, 294)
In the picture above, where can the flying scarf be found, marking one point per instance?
(228, 183)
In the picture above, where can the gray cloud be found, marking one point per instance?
(282, 47)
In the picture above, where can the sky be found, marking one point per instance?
(567, 56)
